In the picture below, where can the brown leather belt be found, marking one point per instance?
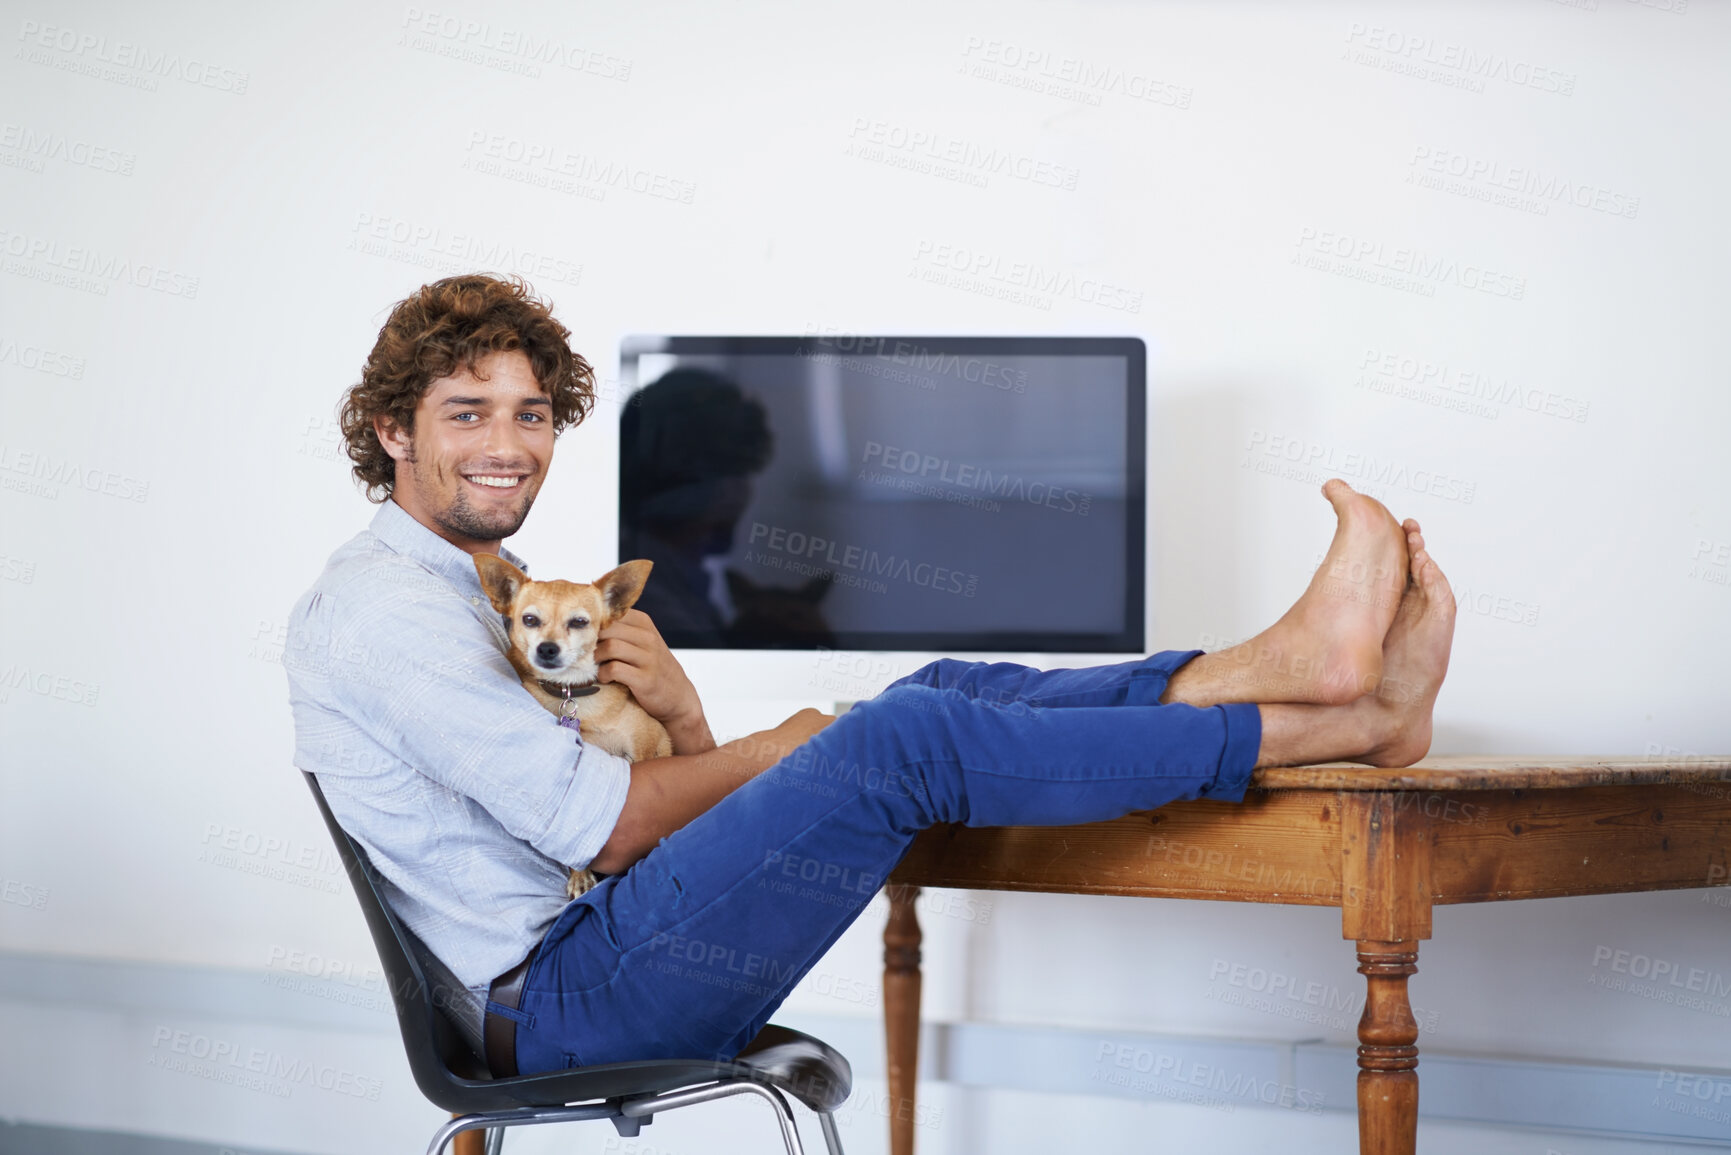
(499, 1034)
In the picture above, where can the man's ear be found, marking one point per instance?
(620, 588)
(393, 437)
(500, 580)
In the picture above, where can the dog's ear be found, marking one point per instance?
(500, 580)
(620, 588)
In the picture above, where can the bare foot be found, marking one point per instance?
(1328, 648)
(1415, 659)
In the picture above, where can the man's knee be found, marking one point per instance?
(941, 674)
(910, 721)
(883, 747)
(911, 697)
(926, 675)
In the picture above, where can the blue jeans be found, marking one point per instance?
(688, 953)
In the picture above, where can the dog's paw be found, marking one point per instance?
(579, 882)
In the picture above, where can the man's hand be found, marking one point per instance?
(758, 752)
(797, 729)
(632, 653)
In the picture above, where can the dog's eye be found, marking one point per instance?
(531, 620)
(577, 623)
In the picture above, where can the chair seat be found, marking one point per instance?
(808, 1069)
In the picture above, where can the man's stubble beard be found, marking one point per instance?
(462, 518)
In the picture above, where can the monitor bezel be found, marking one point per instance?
(1132, 639)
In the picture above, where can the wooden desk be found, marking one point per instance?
(1382, 845)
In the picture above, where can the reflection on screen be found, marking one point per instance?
(847, 494)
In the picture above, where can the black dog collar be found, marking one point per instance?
(568, 691)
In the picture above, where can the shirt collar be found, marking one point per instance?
(397, 528)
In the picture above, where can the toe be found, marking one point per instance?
(1435, 582)
(1436, 586)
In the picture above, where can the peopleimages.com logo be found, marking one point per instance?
(863, 561)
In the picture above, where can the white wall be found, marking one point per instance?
(244, 215)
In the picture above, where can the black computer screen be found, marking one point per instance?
(887, 493)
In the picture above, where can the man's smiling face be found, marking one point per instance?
(478, 454)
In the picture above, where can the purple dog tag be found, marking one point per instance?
(571, 723)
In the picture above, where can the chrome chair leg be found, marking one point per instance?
(495, 1141)
(445, 1134)
(831, 1137)
(783, 1113)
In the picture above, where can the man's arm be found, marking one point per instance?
(666, 793)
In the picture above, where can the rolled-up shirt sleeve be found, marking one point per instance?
(417, 669)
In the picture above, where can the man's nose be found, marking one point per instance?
(504, 439)
(547, 651)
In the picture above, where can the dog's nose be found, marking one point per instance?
(547, 651)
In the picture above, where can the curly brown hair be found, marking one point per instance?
(448, 325)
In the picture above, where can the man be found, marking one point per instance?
(732, 869)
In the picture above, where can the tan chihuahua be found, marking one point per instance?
(553, 627)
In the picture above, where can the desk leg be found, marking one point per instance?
(1386, 895)
(1387, 1050)
(902, 1013)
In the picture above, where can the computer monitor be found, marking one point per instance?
(944, 494)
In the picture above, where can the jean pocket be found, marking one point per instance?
(608, 932)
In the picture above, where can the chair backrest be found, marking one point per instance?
(442, 1063)
(445, 1069)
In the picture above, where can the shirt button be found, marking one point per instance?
(474, 601)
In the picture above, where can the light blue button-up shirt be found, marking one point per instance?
(470, 799)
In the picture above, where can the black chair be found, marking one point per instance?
(629, 1094)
